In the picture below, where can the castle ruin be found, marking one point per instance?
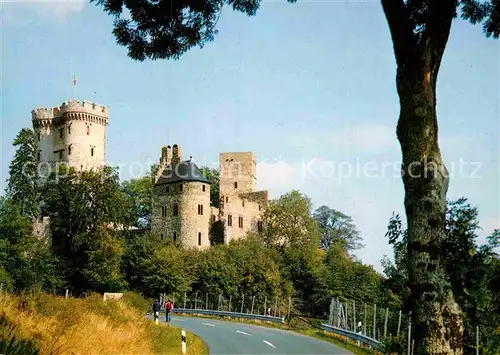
(181, 210)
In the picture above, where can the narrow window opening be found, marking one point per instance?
(180, 187)
(240, 222)
(168, 189)
(60, 133)
(176, 209)
(259, 226)
(161, 236)
(38, 155)
(213, 218)
(203, 188)
(69, 150)
(88, 130)
(229, 220)
(164, 211)
(60, 154)
(92, 152)
(175, 236)
(200, 210)
(69, 129)
(235, 185)
(199, 238)
(243, 203)
(227, 199)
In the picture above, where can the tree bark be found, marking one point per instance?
(437, 322)
(437, 326)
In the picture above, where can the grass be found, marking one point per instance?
(42, 324)
(301, 328)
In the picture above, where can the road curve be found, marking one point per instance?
(237, 338)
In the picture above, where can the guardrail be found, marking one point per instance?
(230, 314)
(352, 335)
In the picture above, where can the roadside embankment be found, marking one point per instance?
(39, 323)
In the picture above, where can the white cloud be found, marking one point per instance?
(16, 12)
(367, 138)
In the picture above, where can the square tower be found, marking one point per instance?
(237, 173)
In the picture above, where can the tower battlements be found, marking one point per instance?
(75, 108)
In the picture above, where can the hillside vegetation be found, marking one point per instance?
(38, 323)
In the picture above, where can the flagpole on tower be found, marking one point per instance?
(74, 86)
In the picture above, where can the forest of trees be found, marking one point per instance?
(310, 261)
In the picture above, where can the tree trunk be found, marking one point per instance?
(436, 316)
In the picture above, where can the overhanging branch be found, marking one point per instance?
(403, 38)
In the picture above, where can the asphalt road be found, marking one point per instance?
(237, 338)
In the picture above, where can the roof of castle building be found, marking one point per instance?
(183, 171)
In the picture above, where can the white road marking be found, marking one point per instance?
(268, 343)
(239, 331)
(178, 320)
(210, 325)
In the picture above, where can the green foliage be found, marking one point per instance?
(216, 273)
(23, 174)
(88, 212)
(337, 227)
(25, 261)
(288, 222)
(137, 301)
(256, 266)
(213, 175)
(102, 269)
(139, 192)
(171, 270)
(474, 271)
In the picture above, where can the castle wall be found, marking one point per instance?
(188, 223)
(73, 133)
(245, 206)
(239, 168)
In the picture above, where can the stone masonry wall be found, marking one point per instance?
(239, 168)
(73, 133)
(237, 206)
(188, 223)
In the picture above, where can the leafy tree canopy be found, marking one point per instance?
(337, 227)
(23, 173)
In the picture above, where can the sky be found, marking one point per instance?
(308, 87)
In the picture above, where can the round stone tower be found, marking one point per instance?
(73, 133)
(181, 203)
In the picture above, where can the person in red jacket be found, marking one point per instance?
(169, 307)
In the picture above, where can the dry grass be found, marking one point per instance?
(52, 325)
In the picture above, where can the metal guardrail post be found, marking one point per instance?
(352, 335)
(231, 314)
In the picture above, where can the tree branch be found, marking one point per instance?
(437, 30)
(403, 38)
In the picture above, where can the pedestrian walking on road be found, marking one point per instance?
(156, 310)
(169, 307)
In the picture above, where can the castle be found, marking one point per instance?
(75, 134)
(181, 210)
